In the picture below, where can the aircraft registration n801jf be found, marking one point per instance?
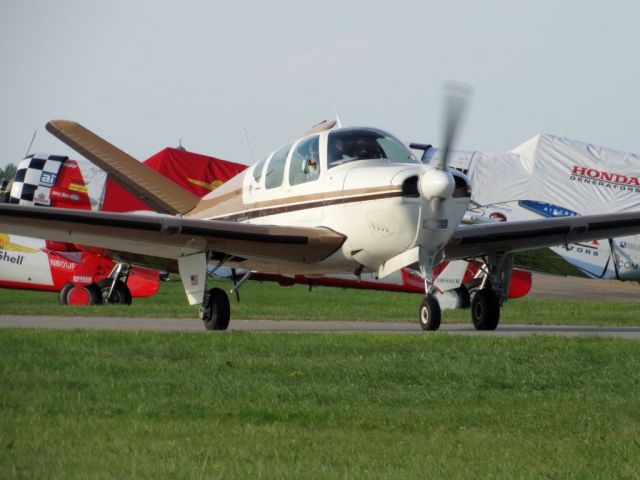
(334, 200)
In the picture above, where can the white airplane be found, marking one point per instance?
(333, 200)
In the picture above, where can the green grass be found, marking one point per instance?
(241, 405)
(271, 301)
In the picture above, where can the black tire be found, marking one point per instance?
(464, 298)
(121, 294)
(96, 294)
(215, 311)
(92, 292)
(429, 314)
(485, 310)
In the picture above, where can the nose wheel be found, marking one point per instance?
(429, 313)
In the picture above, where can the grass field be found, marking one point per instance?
(271, 301)
(241, 405)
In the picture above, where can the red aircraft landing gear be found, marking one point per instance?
(113, 289)
(114, 293)
(80, 294)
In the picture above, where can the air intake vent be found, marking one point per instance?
(410, 187)
(462, 187)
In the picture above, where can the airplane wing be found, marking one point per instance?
(145, 183)
(168, 237)
(485, 239)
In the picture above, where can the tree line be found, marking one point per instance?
(8, 172)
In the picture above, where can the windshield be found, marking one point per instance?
(365, 144)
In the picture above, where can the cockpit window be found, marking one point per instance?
(365, 144)
(305, 162)
(257, 170)
(275, 169)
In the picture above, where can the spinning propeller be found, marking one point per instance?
(436, 184)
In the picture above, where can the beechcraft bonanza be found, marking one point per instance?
(333, 200)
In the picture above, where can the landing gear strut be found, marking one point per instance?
(215, 311)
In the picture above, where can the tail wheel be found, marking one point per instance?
(80, 294)
(215, 311)
(429, 313)
(120, 294)
(485, 310)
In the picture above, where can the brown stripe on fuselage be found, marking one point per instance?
(291, 207)
(229, 205)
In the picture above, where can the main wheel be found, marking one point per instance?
(429, 314)
(215, 311)
(485, 310)
(120, 295)
(71, 294)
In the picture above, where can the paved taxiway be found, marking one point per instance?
(544, 286)
(193, 325)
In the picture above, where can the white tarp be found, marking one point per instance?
(586, 178)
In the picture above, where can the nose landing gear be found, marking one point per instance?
(430, 314)
(490, 292)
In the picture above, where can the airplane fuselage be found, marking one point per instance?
(374, 203)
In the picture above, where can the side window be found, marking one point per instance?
(275, 168)
(305, 162)
(257, 170)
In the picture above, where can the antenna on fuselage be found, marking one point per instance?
(31, 144)
(246, 137)
(335, 109)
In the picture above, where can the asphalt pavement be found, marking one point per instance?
(544, 286)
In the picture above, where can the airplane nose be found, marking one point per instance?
(436, 183)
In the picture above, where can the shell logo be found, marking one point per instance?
(5, 244)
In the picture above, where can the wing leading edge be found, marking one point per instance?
(165, 236)
(486, 239)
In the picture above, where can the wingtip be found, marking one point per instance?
(59, 125)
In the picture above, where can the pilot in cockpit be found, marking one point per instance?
(339, 151)
(311, 164)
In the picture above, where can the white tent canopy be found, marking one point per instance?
(585, 178)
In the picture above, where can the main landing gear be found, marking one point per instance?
(215, 310)
(111, 290)
(489, 290)
(485, 309)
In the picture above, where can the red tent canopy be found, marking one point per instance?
(194, 172)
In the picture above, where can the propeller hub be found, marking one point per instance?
(436, 183)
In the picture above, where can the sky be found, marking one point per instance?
(144, 74)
